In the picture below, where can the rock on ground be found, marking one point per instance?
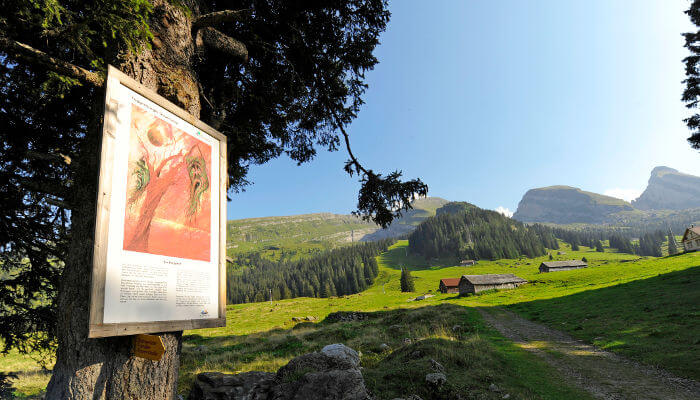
(347, 316)
(436, 379)
(332, 374)
(342, 352)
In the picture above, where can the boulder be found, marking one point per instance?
(317, 376)
(343, 352)
(332, 374)
(218, 386)
(435, 379)
(347, 316)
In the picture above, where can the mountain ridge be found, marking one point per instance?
(305, 234)
(562, 204)
(669, 189)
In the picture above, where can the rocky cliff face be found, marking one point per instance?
(565, 204)
(669, 189)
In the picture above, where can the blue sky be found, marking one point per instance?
(484, 100)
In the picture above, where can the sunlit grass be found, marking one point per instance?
(263, 337)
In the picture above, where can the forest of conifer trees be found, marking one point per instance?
(459, 229)
(479, 234)
(463, 230)
(337, 272)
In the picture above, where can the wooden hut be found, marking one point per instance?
(449, 285)
(553, 266)
(691, 239)
(479, 283)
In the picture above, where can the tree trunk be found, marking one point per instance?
(104, 368)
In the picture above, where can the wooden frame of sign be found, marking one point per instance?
(164, 290)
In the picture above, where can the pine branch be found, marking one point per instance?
(33, 56)
(60, 157)
(381, 199)
(219, 17)
(217, 41)
(47, 187)
(58, 203)
(353, 162)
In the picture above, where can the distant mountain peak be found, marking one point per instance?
(669, 189)
(661, 169)
(566, 204)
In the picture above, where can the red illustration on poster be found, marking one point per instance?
(168, 204)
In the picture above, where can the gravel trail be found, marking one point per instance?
(603, 374)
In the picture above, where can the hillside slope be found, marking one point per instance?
(669, 189)
(653, 324)
(310, 233)
(566, 204)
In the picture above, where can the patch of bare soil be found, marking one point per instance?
(603, 374)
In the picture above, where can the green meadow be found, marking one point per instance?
(659, 329)
(644, 308)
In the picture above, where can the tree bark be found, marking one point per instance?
(34, 56)
(104, 368)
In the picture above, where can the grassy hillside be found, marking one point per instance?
(646, 309)
(634, 331)
(298, 236)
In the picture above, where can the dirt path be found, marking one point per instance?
(603, 374)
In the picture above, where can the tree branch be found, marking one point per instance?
(353, 160)
(219, 17)
(58, 203)
(38, 57)
(217, 41)
(60, 157)
(46, 187)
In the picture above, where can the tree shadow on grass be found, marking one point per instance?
(653, 320)
(397, 347)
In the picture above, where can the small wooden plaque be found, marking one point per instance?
(149, 347)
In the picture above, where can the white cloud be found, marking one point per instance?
(624, 194)
(504, 211)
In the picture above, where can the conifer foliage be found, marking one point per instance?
(691, 94)
(599, 246)
(650, 244)
(479, 234)
(337, 272)
(407, 284)
(672, 245)
(621, 243)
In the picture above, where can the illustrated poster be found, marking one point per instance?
(163, 248)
